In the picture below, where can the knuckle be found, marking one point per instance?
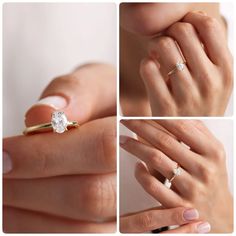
(177, 217)
(218, 151)
(156, 158)
(210, 23)
(165, 43)
(164, 140)
(184, 29)
(151, 187)
(99, 198)
(144, 221)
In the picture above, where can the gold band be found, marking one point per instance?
(46, 127)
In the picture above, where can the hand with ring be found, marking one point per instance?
(202, 182)
(65, 182)
(189, 69)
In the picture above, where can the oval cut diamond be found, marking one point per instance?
(59, 122)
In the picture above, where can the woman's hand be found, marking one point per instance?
(65, 182)
(204, 86)
(203, 183)
(152, 219)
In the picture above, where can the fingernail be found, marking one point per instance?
(123, 139)
(202, 13)
(204, 228)
(7, 163)
(57, 102)
(191, 214)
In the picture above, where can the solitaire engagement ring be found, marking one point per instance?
(179, 66)
(176, 172)
(59, 124)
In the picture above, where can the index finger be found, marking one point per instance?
(90, 149)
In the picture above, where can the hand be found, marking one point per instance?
(152, 219)
(65, 183)
(204, 86)
(203, 183)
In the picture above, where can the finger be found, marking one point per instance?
(164, 142)
(84, 197)
(191, 47)
(180, 81)
(23, 221)
(186, 132)
(152, 219)
(159, 95)
(156, 189)
(87, 150)
(196, 227)
(212, 35)
(158, 161)
(77, 94)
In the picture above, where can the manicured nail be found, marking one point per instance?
(204, 228)
(123, 139)
(7, 163)
(57, 102)
(191, 214)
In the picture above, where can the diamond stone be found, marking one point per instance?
(177, 171)
(59, 122)
(180, 66)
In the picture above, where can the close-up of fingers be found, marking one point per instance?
(187, 132)
(173, 67)
(158, 161)
(159, 95)
(89, 198)
(87, 150)
(155, 188)
(148, 220)
(164, 142)
(191, 47)
(212, 34)
(24, 221)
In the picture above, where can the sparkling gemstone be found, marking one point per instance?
(177, 171)
(180, 66)
(59, 122)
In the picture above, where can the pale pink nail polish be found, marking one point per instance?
(57, 102)
(204, 228)
(191, 214)
(7, 163)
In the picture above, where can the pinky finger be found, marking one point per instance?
(196, 227)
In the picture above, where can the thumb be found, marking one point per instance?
(86, 94)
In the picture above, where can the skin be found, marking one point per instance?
(203, 183)
(39, 193)
(152, 219)
(148, 33)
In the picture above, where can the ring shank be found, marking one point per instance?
(46, 127)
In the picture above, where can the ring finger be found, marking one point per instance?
(159, 161)
(168, 54)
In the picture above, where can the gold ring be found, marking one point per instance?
(59, 124)
(178, 66)
(176, 172)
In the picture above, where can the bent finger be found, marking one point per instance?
(22, 221)
(89, 149)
